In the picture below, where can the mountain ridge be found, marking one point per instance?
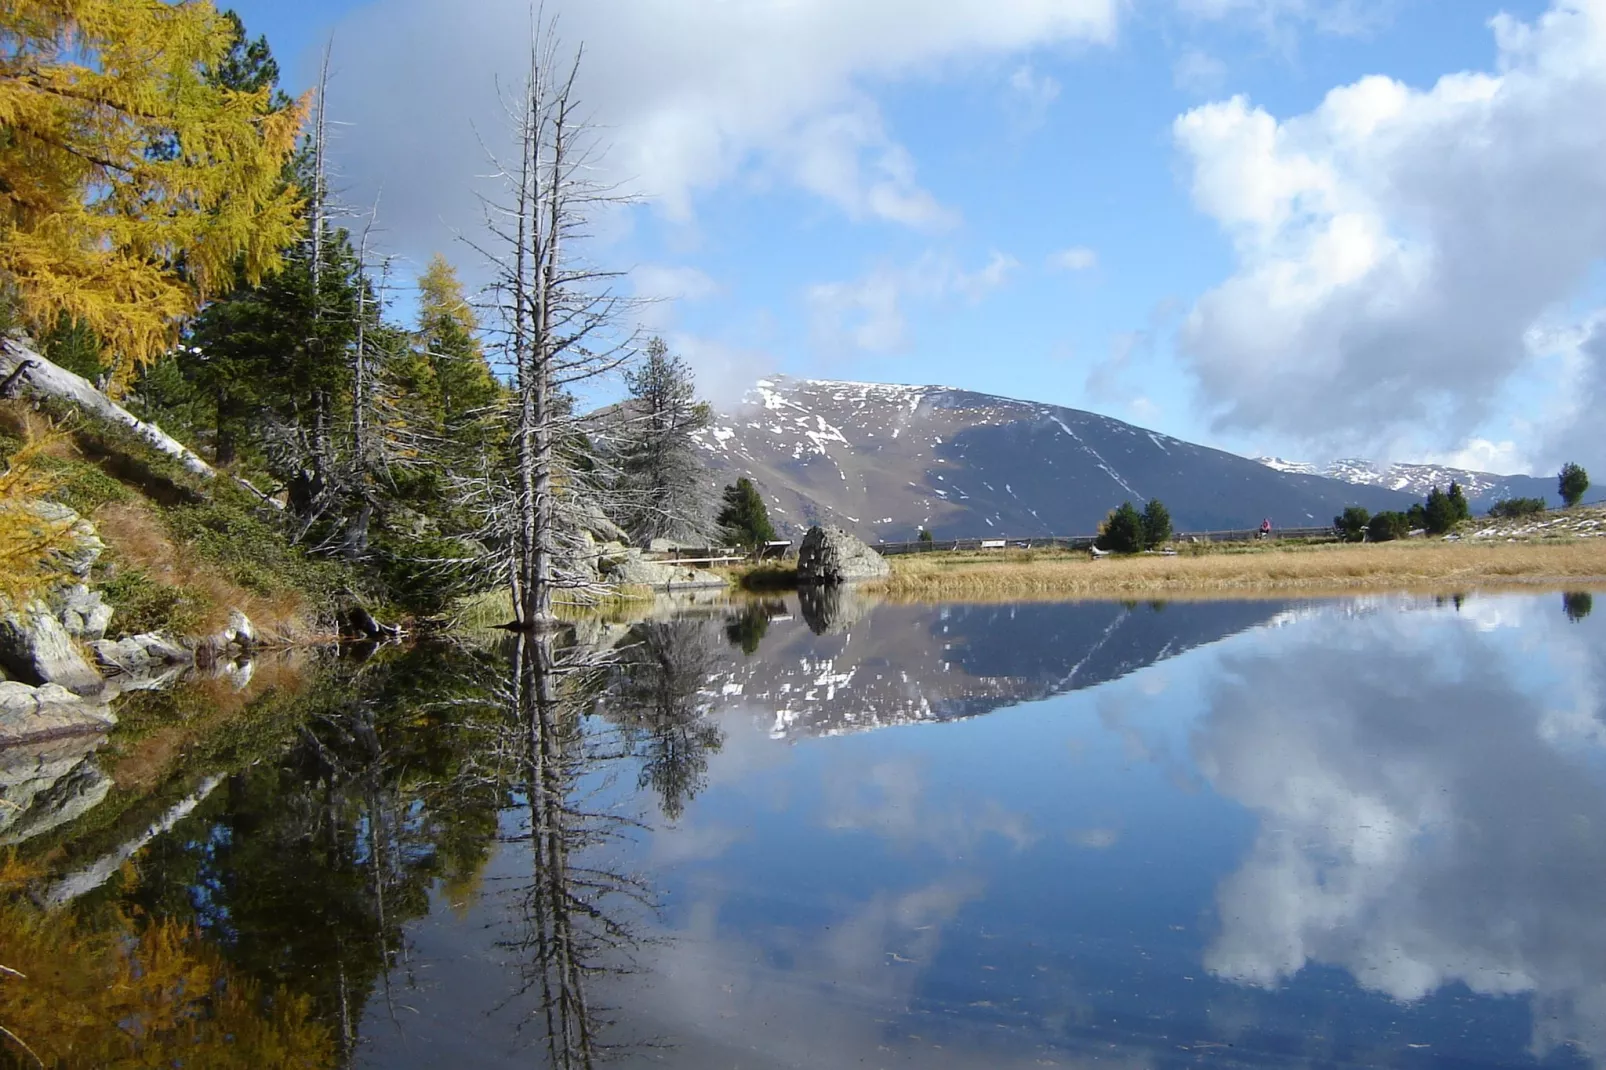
(885, 460)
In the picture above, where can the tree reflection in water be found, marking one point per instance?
(658, 696)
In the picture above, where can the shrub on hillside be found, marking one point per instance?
(1511, 508)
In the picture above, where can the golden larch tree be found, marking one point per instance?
(132, 184)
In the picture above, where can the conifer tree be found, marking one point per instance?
(663, 493)
(448, 336)
(1571, 483)
(1123, 530)
(743, 520)
(132, 184)
(1156, 524)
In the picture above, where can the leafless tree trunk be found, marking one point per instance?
(560, 320)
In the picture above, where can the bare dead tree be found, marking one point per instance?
(560, 323)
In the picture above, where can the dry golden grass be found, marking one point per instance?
(1322, 569)
(136, 534)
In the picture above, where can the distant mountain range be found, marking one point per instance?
(884, 461)
(1482, 489)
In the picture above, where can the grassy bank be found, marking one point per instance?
(1240, 571)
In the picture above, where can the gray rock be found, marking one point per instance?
(85, 549)
(627, 567)
(242, 633)
(36, 649)
(34, 713)
(47, 784)
(139, 654)
(831, 555)
(124, 656)
(81, 611)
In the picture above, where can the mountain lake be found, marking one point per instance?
(833, 833)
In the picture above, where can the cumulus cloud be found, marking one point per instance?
(1429, 813)
(691, 96)
(1396, 246)
(868, 314)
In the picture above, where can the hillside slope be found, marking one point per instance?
(884, 461)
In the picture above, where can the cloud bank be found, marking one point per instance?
(1397, 248)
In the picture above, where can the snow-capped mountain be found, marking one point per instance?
(884, 461)
(1482, 489)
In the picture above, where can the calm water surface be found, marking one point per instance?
(834, 834)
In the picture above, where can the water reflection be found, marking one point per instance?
(1431, 813)
(1577, 605)
(779, 834)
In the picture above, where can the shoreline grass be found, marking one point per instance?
(1333, 568)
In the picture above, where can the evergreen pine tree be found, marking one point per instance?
(744, 521)
(662, 489)
(1156, 524)
(1123, 531)
(1571, 483)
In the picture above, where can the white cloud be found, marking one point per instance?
(1031, 96)
(1076, 258)
(1198, 72)
(1279, 18)
(691, 96)
(868, 314)
(724, 371)
(1395, 246)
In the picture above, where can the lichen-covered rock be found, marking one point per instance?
(81, 611)
(33, 713)
(831, 555)
(47, 784)
(80, 554)
(36, 649)
(139, 654)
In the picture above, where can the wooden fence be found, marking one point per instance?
(1083, 542)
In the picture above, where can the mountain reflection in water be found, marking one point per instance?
(831, 833)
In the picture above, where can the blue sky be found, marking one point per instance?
(1303, 227)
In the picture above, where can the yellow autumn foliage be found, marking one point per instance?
(120, 992)
(132, 186)
(28, 539)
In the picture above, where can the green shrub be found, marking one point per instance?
(1351, 523)
(1388, 526)
(1123, 531)
(144, 605)
(1517, 507)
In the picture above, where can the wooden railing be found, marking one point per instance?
(1083, 542)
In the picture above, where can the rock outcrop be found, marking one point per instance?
(830, 556)
(36, 649)
(81, 611)
(626, 566)
(34, 713)
(45, 785)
